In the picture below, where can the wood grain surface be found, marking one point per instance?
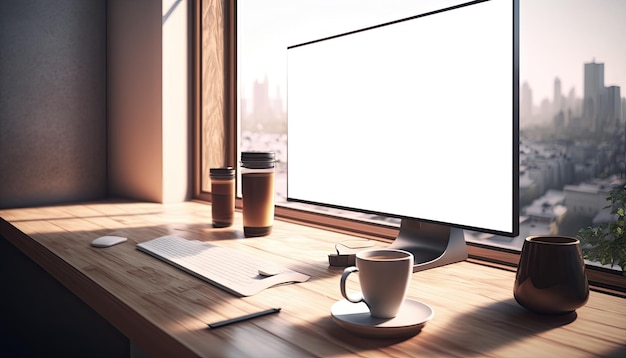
(165, 311)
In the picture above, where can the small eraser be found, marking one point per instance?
(342, 260)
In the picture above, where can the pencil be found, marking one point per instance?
(243, 318)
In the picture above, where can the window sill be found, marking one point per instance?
(600, 279)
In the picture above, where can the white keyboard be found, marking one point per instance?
(226, 268)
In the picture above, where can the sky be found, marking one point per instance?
(556, 36)
(267, 27)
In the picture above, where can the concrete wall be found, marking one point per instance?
(149, 99)
(134, 96)
(177, 99)
(52, 101)
(95, 101)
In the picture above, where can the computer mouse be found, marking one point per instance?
(107, 241)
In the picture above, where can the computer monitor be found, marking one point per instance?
(415, 119)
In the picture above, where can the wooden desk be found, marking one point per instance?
(165, 311)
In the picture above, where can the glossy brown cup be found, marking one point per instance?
(551, 276)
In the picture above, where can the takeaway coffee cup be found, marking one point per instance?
(384, 276)
(257, 192)
(222, 196)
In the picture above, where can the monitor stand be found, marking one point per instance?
(432, 245)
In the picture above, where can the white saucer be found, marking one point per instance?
(356, 318)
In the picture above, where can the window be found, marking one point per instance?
(572, 109)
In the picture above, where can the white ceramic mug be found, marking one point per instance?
(384, 276)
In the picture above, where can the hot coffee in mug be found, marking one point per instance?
(384, 276)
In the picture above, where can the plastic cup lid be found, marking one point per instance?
(257, 156)
(227, 171)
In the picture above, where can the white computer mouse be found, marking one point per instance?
(109, 240)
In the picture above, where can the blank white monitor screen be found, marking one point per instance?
(416, 118)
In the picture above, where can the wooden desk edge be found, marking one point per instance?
(137, 328)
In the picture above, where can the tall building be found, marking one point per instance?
(263, 103)
(557, 100)
(602, 106)
(613, 108)
(526, 101)
(573, 103)
(277, 102)
(594, 91)
(261, 97)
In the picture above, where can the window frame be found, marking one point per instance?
(221, 116)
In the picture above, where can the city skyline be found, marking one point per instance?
(570, 100)
(273, 92)
(556, 38)
(547, 93)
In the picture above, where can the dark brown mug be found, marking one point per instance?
(551, 276)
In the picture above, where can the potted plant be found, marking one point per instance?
(606, 243)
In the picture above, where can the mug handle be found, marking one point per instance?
(355, 297)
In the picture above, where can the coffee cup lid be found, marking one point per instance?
(258, 159)
(227, 171)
